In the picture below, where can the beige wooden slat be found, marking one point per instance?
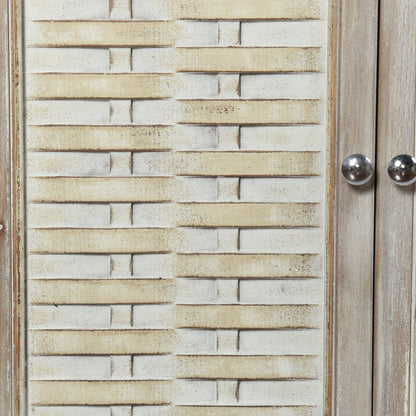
(124, 240)
(98, 138)
(246, 10)
(248, 215)
(247, 112)
(44, 189)
(99, 86)
(246, 367)
(248, 164)
(121, 291)
(101, 34)
(247, 316)
(248, 265)
(101, 342)
(242, 410)
(248, 60)
(100, 392)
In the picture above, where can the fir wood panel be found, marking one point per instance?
(248, 164)
(253, 266)
(246, 367)
(242, 410)
(53, 241)
(246, 10)
(248, 60)
(248, 112)
(101, 342)
(100, 392)
(247, 215)
(101, 34)
(100, 189)
(355, 210)
(120, 291)
(99, 86)
(247, 316)
(394, 315)
(98, 138)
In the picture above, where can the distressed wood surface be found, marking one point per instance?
(355, 210)
(394, 348)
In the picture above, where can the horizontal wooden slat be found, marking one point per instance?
(248, 60)
(53, 241)
(247, 112)
(101, 342)
(100, 189)
(99, 86)
(100, 392)
(104, 34)
(246, 10)
(120, 291)
(246, 367)
(247, 215)
(247, 316)
(242, 411)
(98, 138)
(248, 265)
(248, 164)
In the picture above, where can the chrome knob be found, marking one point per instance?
(402, 170)
(357, 169)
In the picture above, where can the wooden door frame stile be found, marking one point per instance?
(12, 239)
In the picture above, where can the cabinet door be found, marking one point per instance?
(170, 219)
(394, 261)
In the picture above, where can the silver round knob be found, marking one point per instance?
(402, 170)
(357, 169)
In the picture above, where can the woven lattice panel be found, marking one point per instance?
(176, 207)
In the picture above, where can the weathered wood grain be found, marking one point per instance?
(242, 410)
(120, 291)
(100, 392)
(100, 34)
(355, 210)
(101, 342)
(247, 316)
(394, 294)
(260, 266)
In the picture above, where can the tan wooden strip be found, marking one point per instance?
(100, 189)
(247, 112)
(248, 164)
(242, 411)
(100, 392)
(247, 60)
(247, 316)
(248, 265)
(246, 367)
(98, 138)
(104, 34)
(101, 342)
(248, 215)
(100, 86)
(139, 240)
(66, 292)
(246, 10)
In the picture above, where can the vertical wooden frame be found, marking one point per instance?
(357, 88)
(395, 211)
